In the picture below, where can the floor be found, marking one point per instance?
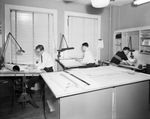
(19, 112)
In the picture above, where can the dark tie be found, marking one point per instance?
(41, 58)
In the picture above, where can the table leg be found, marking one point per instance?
(13, 97)
(43, 99)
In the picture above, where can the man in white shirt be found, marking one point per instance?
(45, 62)
(88, 59)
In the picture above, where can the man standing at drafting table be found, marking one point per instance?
(121, 57)
(45, 62)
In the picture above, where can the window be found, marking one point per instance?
(30, 28)
(82, 28)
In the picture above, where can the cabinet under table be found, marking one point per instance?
(125, 97)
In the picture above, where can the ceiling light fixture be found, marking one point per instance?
(139, 2)
(100, 3)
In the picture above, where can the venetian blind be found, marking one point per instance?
(81, 30)
(31, 29)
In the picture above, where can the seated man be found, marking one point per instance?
(88, 59)
(45, 62)
(121, 57)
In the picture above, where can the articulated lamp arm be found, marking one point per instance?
(6, 43)
(63, 49)
(9, 37)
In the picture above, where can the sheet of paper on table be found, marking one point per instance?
(70, 63)
(20, 68)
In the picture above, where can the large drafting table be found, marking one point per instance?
(106, 92)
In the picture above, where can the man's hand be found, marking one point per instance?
(125, 62)
(133, 61)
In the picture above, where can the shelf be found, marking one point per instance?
(145, 45)
(145, 52)
(145, 37)
(140, 39)
(145, 40)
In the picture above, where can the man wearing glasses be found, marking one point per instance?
(45, 62)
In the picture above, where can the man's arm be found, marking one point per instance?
(129, 62)
(126, 62)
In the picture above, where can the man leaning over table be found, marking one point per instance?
(121, 57)
(45, 62)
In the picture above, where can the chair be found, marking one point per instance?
(37, 88)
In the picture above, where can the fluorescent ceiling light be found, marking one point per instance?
(138, 2)
(100, 3)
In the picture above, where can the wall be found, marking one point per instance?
(61, 7)
(129, 16)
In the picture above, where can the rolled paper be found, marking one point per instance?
(12, 67)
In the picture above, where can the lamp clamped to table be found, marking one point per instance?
(3, 52)
(24, 96)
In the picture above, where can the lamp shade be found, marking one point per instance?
(139, 2)
(100, 3)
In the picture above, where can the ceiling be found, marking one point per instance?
(113, 2)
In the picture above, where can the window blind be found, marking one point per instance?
(31, 29)
(82, 29)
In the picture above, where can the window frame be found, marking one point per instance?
(9, 7)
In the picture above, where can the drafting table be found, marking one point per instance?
(69, 63)
(106, 92)
(24, 74)
(73, 63)
(136, 68)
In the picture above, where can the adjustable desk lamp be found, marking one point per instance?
(24, 96)
(130, 46)
(63, 49)
(10, 37)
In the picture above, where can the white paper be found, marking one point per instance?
(70, 63)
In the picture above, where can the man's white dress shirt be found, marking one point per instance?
(87, 57)
(45, 61)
